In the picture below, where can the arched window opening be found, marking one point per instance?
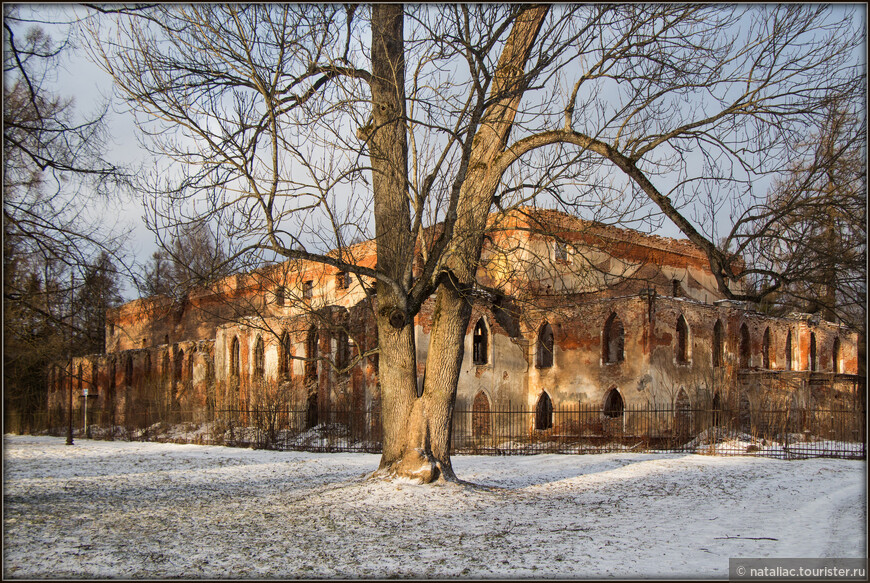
(765, 349)
(480, 422)
(613, 404)
(813, 363)
(682, 415)
(128, 371)
(259, 359)
(718, 344)
(235, 357)
(744, 348)
(279, 295)
(544, 352)
(788, 352)
(179, 365)
(544, 412)
(682, 340)
(613, 340)
(284, 350)
(311, 342)
(164, 369)
(342, 350)
(480, 343)
(835, 355)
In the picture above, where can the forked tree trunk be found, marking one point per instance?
(416, 430)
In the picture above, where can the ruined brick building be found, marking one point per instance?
(586, 314)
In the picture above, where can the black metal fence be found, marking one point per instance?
(781, 433)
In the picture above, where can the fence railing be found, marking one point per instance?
(770, 432)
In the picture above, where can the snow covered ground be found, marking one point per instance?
(137, 510)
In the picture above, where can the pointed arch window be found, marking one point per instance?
(235, 357)
(765, 349)
(613, 340)
(279, 295)
(544, 412)
(311, 342)
(284, 355)
(682, 340)
(718, 344)
(744, 348)
(788, 352)
(613, 404)
(480, 343)
(342, 350)
(179, 365)
(259, 359)
(544, 351)
(813, 363)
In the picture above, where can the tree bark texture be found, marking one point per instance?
(421, 448)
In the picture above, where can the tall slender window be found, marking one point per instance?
(835, 355)
(718, 344)
(813, 363)
(128, 371)
(279, 295)
(311, 342)
(480, 342)
(342, 350)
(613, 340)
(259, 359)
(745, 347)
(765, 349)
(544, 352)
(179, 365)
(284, 356)
(682, 340)
(788, 352)
(235, 357)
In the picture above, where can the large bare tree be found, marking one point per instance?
(300, 128)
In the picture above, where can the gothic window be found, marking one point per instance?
(342, 350)
(718, 344)
(165, 368)
(307, 289)
(765, 349)
(259, 359)
(284, 356)
(613, 405)
(544, 412)
(813, 364)
(835, 355)
(544, 348)
(480, 343)
(613, 340)
(179, 362)
(745, 350)
(480, 422)
(279, 295)
(682, 340)
(788, 352)
(235, 351)
(311, 354)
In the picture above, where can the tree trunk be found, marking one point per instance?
(416, 438)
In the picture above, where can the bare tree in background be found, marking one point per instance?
(299, 128)
(54, 171)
